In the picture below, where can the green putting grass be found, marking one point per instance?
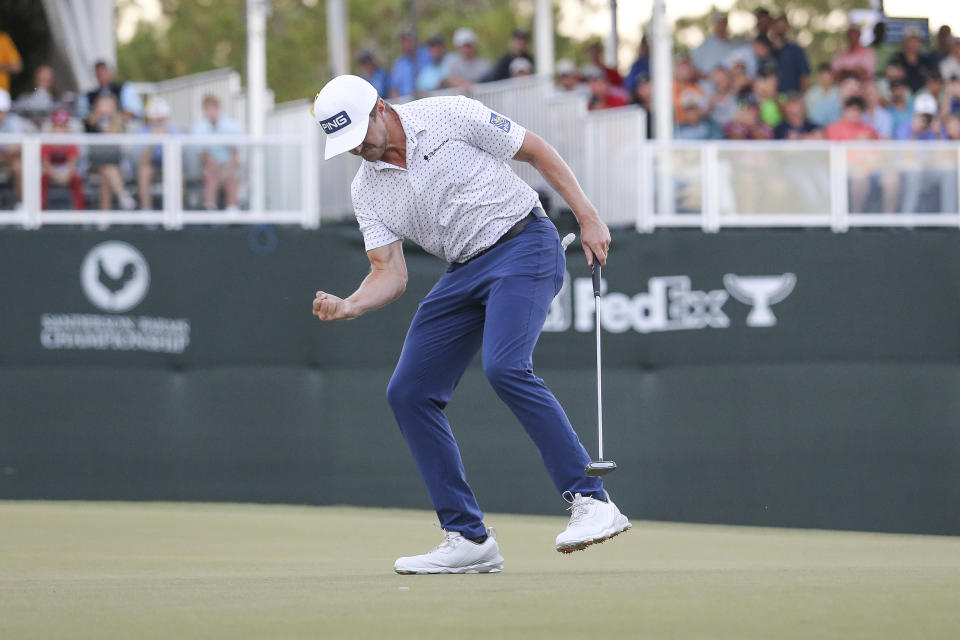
(121, 570)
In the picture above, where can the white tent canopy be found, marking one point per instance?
(85, 30)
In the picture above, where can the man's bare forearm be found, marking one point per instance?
(378, 289)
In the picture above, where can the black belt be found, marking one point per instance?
(512, 232)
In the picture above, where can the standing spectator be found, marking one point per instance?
(371, 71)
(602, 95)
(721, 99)
(59, 163)
(900, 109)
(916, 65)
(105, 158)
(824, 89)
(793, 68)
(220, 162)
(755, 55)
(10, 63)
(595, 58)
(855, 57)
(891, 73)
(795, 125)
(950, 65)
(694, 124)
(10, 153)
(40, 104)
(764, 22)
(713, 51)
(875, 115)
(465, 68)
(639, 68)
(403, 73)
(519, 48)
(850, 126)
(942, 45)
(126, 98)
(683, 80)
(520, 68)
(151, 158)
(433, 76)
(568, 78)
(746, 124)
(765, 88)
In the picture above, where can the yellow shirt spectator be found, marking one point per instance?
(9, 60)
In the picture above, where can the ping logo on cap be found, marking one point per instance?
(335, 122)
(499, 122)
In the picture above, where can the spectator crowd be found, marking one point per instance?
(756, 88)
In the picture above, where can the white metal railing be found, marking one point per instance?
(634, 182)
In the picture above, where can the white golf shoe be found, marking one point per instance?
(456, 554)
(591, 522)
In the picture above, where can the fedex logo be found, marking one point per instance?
(335, 122)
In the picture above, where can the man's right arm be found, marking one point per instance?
(385, 283)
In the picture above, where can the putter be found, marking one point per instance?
(599, 467)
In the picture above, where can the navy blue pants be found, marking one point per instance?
(496, 304)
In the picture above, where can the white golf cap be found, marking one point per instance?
(464, 35)
(925, 104)
(342, 109)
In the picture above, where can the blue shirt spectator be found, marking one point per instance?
(640, 67)
(793, 68)
(127, 98)
(433, 74)
(900, 109)
(372, 72)
(215, 123)
(713, 51)
(403, 73)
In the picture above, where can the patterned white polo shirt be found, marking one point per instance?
(457, 195)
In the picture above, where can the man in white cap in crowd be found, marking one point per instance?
(435, 172)
(464, 67)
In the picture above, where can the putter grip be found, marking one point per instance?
(596, 276)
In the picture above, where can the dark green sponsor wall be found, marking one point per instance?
(789, 378)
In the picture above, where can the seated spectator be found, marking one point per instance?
(756, 54)
(602, 95)
(933, 87)
(830, 109)
(765, 88)
(951, 127)
(151, 158)
(434, 75)
(795, 125)
(10, 63)
(465, 68)
(10, 153)
(900, 109)
(123, 92)
(694, 124)
(520, 67)
(371, 71)
(568, 78)
(595, 58)
(640, 66)
(683, 79)
(721, 100)
(850, 126)
(793, 68)
(950, 65)
(220, 162)
(942, 45)
(713, 51)
(926, 123)
(59, 163)
(105, 158)
(403, 73)
(916, 65)
(890, 73)
(855, 57)
(740, 82)
(40, 103)
(519, 48)
(951, 96)
(875, 115)
(746, 124)
(824, 89)
(764, 22)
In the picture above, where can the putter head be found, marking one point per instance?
(600, 467)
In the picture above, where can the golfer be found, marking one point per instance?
(435, 171)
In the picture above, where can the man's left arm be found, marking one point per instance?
(594, 234)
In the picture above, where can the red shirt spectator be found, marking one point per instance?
(59, 162)
(856, 57)
(602, 95)
(850, 126)
(595, 53)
